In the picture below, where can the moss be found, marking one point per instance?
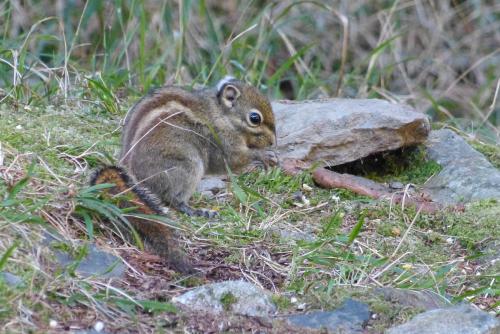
(283, 303)
(491, 152)
(388, 229)
(190, 281)
(408, 165)
(227, 300)
(479, 222)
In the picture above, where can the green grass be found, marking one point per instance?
(329, 257)
(68, 78)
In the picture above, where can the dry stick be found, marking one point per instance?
(329, 179)
(50, 170)
(432, 275)
(371, 249)
(247, 271)
(276, 267)
(406, 195)
(406, 279)
(112, 288)
(390, 265)
(406, 233)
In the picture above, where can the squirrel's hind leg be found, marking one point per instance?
(177, 184)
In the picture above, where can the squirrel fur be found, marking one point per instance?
(172, 137)
(159, 238)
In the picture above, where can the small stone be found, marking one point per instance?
(301, 306)
(396, 185)
(52, 323)
(490, 252)
(460, 319)
(11, 279)
(351, 317)
(99, 263)
(307, 187)
(293, 300)
(396, 231)
(286, 233)
(335, 199)
(300, 200)
(95, 263)
(297, 196)
(99, 326)
(19, 127)
(246, 299)
(407, 266)
(207, 194)
(214, 184)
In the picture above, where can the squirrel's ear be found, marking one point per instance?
(229, 95)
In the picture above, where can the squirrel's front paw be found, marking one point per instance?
(270, 158)
(263, 159)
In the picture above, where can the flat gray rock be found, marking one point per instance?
(466, 175)
(11, 279)
(349, 318)
(238, 297)
(424, 300)
(336, 131)
(460, 319)
(95, 263)
(292, 235)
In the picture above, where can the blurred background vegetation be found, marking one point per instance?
(442, 56)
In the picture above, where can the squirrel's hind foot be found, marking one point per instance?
(186, 209)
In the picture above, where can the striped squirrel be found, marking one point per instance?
(173, 137)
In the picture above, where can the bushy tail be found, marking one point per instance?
(147, 202)
(158, 237)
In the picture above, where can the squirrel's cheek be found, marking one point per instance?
(253, 142)
(258, 141)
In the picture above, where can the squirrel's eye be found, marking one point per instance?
(254, 118)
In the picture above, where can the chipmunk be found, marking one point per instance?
(173, 137)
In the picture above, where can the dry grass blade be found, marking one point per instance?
(491, 109)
